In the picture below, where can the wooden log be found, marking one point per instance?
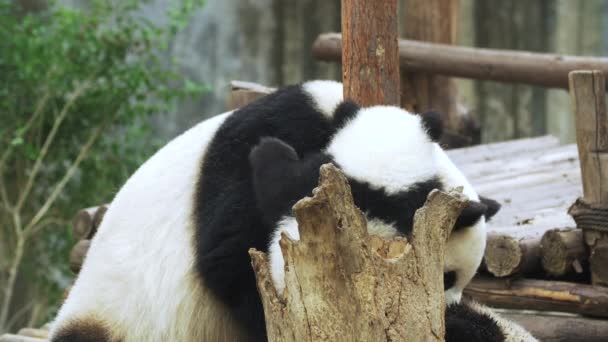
(97, 218)
(77, 255)
(433, 21)
(370, 55)
(563, 251)
(82, 223)
(561, 328)
(540, 295)
(506, 254)
(33, 332)
(548, 70)
(587, 91)
(86, 221)
(243, 93)
(366, 288)
(18, 338)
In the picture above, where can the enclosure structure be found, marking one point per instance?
(536, 257)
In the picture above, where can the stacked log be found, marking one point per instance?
(84, 226)
(28, 335)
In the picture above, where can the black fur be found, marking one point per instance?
(433, 124)
(470, 215)
(345, 111)
(463, 323)
(227, 218)
(399, 208)
(449, 279)
(492, 205)
(263, 158)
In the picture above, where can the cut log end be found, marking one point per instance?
(562, 251)
(503, 255)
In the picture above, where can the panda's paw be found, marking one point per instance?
(271, 151)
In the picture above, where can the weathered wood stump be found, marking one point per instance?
(342, 284)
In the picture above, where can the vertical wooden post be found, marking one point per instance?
(370, 53)
(433, 21)
(588, 94)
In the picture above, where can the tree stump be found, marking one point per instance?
(342, 284)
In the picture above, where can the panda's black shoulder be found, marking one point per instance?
(474, 322)
(463, 322)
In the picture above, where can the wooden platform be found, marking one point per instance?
(535, 180)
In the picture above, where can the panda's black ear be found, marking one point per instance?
(344, 112)
(433, 124)
(470, 215)
(492, 205)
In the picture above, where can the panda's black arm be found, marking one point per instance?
(281, 178)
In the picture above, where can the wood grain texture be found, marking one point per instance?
(588, 94)
(370, 55)
(507, 254)
(342, 284)
(542, 295)
(563, 251)
(587, 91)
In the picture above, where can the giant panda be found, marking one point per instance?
(169, 261)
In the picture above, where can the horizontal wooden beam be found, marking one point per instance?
(548, 70)
(541, 295)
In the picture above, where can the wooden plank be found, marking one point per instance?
(560, 328)
(587, 91)
(370, 55)
(548, 70)
(462, 156)
(243, 93)
(541, 295)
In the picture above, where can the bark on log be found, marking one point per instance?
(548, 70)
(508, 254)
(554, 328)
(563, 251)
(587, 91)
(341, 284)
(542, 295)
(370, 55)
(77, 255)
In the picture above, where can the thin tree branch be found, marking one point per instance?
(47, 143)
(39, 109)
(61, 184)
(20, 313)
(47, 222)
(10, 283)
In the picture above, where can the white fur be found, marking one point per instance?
(465, 247)
(386, 147)
(138, 277)
(277, 265)
(390, 149)
(326, 95)
(513, 332)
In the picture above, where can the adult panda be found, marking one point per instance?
(170, 263)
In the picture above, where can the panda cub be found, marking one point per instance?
(169, 261)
